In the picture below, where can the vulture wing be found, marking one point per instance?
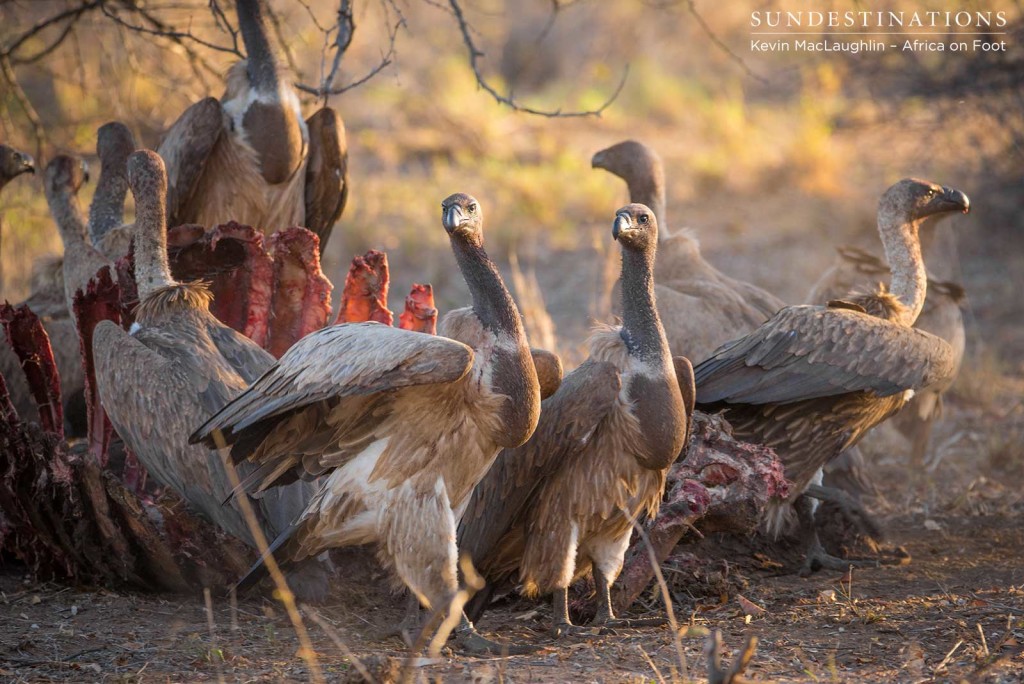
(185, 150)
(806, 352)
(324, 397)
(246, 357)
(326, 173)
(568, 420)
(764, 302)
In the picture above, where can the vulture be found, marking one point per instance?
(700, 307)
(813, 379)
(13, 163)
(401, 424)
(564, 503)
(250, 157)
(114, 144)
(856, 270)
(174, 369)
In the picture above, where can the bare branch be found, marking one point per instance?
(225, 25)
(475, 54)
(38, 131)
(160, 29)
(721, 44)
(73, 14)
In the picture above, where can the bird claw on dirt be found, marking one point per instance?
(468, 641)
(850, 508)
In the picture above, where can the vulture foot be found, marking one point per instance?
(471, 642)
(851, 509)
(408, 626)
(629, 623)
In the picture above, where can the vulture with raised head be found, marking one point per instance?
(563, 504)
(401, 424)
(250, 157)
(855, 270)
(814, 379)
(107, 233)
(174, 369)
(701, 308)
(14, 163)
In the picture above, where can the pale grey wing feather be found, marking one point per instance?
(568, 420)
(246, 357)
(805, 352)
(327, 183)
(337, 362)
(185, 150)
(764, 302)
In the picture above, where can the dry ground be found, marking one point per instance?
(956, 613)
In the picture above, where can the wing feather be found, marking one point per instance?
(326, 173)
(185, 150)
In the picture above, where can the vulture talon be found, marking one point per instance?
(471, 642)
(851, 509)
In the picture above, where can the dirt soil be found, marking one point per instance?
(955, 613)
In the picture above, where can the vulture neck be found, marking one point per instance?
(262, 66)
(640, 322)
(492, 303)
(909, 282)
(152, 272)
(67, 211)
(107, 209)
(649, 188)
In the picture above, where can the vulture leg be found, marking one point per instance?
(605, 617)
(852, 509)
(410, 623)
(817, 557)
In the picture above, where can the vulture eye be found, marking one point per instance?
(472, 208)
(642, 218)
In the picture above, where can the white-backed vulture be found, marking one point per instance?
(250, 157)
(174, 369)
(107, 232)
(403, 425)
(855, 270)
(701, 308)
(564, 502)
(814, 379)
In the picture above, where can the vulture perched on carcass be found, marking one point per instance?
(855, 270)
(701, 308)
(564, 503)
(174, 369)
(814, 379)
(401, 425)
(250, 157)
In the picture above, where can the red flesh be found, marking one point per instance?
(100, 301)
(302, 294)
(365, 297)
(30, 342)
(420, 315)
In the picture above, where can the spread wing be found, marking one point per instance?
(185, 151)
(326, 173)
(325, 395)
(568, 419)
(806, 352)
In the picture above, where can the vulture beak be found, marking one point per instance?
(952, 199)
(85, 172)
(453, 218)
(27, 163)
(622, 224)
(597, 160)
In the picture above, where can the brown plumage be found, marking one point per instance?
(701, 308)
(564, 502)
(14, 163)
(250, 157)
(403, 425)
(176, 367)
(814, 379)
(855, 270)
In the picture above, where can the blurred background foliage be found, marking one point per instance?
(773, 159)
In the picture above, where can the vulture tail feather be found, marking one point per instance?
(259, 569)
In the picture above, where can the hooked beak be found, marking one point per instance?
(622, 224)
(453, 218)
(28, 164)
(597, 160)
(952, 200)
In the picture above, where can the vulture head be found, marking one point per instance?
(65, 173)
(636, 228)
(549, 371)
(632, 161)
(462, 218)
(911, 200)
(114, 141)
(14, 163)
(147, 175)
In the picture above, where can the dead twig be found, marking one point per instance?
(475, 54)
(734, 674)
